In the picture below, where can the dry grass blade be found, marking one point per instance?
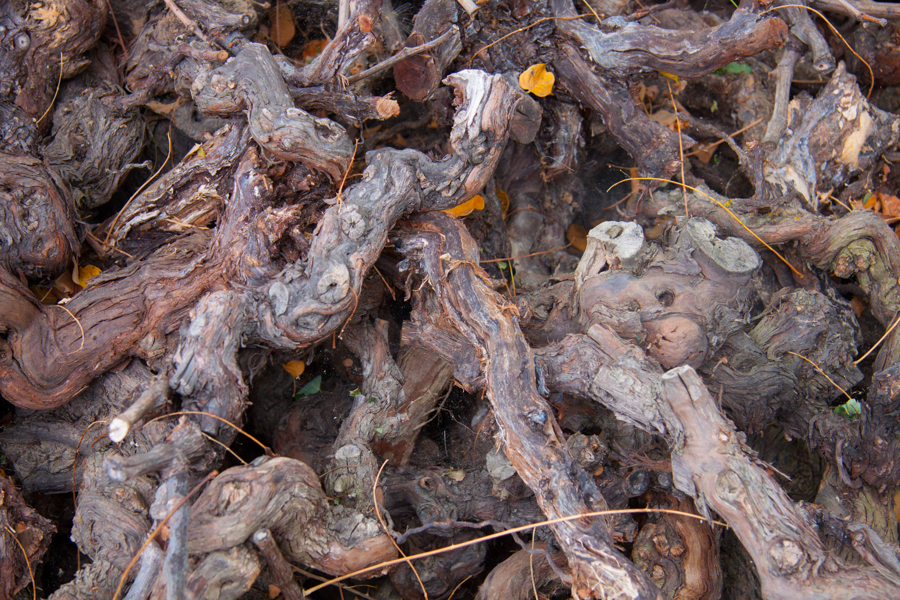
(387, 531)
(458, 585)
(680, 145)
(526, 28)
(159, 527)
(837, 33)
(265, 448)
(720, 205)
(494, 536)
(824, 374)
(878, 343)
(494, 260)
(77, 322)
(27, 562)
(112, 227)
(55, 94)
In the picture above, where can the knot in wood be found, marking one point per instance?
(353, 223)
(151, 345)
(328, 130)
(537, 418)
(266, 119)
(334, 283)
(729, 486)
(786, 555)
(278, 297)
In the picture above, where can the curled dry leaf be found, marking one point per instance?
(461, 210)
(387, 107)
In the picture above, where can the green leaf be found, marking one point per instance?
(502, 265)
(715, 107)
(311, 388)
(734, 68)
(378, 430)
(850, 409)
(356, 392)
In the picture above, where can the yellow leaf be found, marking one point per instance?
(670, 76)
(85, 273)
(476, 203)
(457, 475)
(294, 367)
(504, 200)
(537, 80)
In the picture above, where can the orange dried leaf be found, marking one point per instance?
(312, 50)
(577, 236)
(461, 210)
(65, 285)
(890, 205)
(537, 80)
(897, 504)
(283, 29)
(705, 152)
(274, 591)
(294, 367)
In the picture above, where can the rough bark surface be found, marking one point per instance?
(411, 276)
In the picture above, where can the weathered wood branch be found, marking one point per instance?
(36, 214)
(314, 298)
(859, 244)
(251, 81)
(622, 48)
(532, 440)
(284, 496)
(24, 537)
(791, 560)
